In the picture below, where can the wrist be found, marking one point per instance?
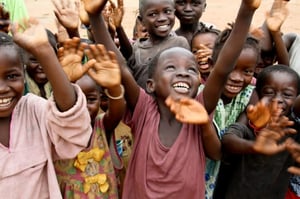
(115, 92)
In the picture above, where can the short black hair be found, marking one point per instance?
(205, 29)
(262, 76)
(7, 41)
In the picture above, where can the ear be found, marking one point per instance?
(150, 86)
(204, 7)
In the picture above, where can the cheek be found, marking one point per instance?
(247, 80)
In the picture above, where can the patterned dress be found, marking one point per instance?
(91, 175)
(224, 116)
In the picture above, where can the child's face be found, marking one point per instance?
(11, 80)
(35, 71)
(89, 88)
(158, 17)
(141, 31)
(242, 74)
(281, 86)
(189, 11)
(207, 39)
(267, 58)
(176, 74)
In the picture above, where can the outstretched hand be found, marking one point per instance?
(31, 36)
(269, 139)
(259, 114)
(67, 13)
(277, 15)
(70, 57)
(106, 70)
(294, 148)
(203, 54)
(94, 6)
(252, 4)
(117, 13)
(188, 110)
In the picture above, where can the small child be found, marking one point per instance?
(165, 150)
(254, 164)
(202, 45)
(91, 174)
(35, 131)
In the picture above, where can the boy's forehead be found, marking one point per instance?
(144, 4)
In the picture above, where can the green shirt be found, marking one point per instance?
(16, 8)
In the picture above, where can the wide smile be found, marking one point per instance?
(181, 87)
(233, 89)
(5, 102)
(163, 28)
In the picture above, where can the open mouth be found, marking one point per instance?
(163, 28)
(5, 101)
(181, 87)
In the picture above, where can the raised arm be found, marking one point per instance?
(106, 72)
(229, 54)
(101, 35)
(34, 39)
(117, 17)
(275, 19)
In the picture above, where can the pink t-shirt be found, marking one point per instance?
(156, 171)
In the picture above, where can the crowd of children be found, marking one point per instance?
(195, 112)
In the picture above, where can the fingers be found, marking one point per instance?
(294, 170)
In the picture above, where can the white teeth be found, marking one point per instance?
(234, 88)
(5, 101)
(163, 28)
(181, 87)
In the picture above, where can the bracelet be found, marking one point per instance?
(118, 97)
(254, 128)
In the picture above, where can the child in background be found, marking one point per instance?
(158, 18)
(139, 30)
(17, 10)
(35, 131)
(166, 150)
(260, 172)
(202, 45)
(4, 20)
(36, 81)
(189, 12)
(91, 174)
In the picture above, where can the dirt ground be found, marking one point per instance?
(218, 12)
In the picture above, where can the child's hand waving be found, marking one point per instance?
(259, 114)
(117, 13)
(32, 36)
(277, 15)
(67, 13)
(106, 71)
(70, 57)
(188, 110)
(268, 140)
(94, 6)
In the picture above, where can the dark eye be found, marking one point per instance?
(268, 92)
(249, 72)
(288, 94)
(152, 14)
(170, 68)
(169, 11)
(13, 76)
(193, 70)
(91, 100)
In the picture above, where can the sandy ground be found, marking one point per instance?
(218, 12)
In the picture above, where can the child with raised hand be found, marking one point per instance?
(35, 131)
(249, 170)
(91, 174)
(273, 47)
(166, 150)
(202, 44)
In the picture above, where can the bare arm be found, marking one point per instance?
(34, 39)
(229, 54)
(132, 90)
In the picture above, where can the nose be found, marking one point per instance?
(188, 7)
(162, 17)
(182, 73)
(236, 76)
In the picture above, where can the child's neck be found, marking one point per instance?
(5, 131)
(156, 40)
